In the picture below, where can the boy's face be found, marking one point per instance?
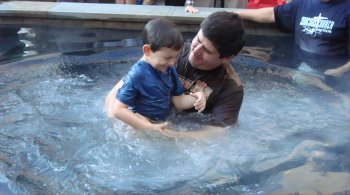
(163, 58)
(203, 54)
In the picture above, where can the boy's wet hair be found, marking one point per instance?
(225, 30)
(162, 32)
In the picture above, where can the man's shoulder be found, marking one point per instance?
(231, 75)
(231, 86)
(226, 81)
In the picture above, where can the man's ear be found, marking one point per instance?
(227, 59)
(146, 49)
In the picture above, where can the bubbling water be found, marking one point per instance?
(56, 138)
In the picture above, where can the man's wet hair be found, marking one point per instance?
(225, 30)
(162, 32)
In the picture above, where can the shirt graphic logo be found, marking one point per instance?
(195, 86)
(316, 25)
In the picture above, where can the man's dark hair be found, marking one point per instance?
(225, 30)
(162, 32)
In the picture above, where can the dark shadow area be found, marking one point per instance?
(11, 47)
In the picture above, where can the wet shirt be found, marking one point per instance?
(319, 27)
(148, 91)
(224, 95)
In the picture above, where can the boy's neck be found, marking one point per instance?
(144, 58)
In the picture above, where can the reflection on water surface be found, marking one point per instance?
(56, 138)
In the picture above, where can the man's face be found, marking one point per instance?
(163, 58)
(203, 54)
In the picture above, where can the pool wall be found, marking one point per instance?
(110, 16)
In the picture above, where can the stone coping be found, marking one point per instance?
(110, 16)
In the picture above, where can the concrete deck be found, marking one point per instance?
(109, 16)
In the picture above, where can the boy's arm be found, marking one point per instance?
(183, 102)
(137, 121)
(119, 110)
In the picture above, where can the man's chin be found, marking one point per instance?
(193, 62)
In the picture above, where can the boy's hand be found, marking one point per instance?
(200, 102)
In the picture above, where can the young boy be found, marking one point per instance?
(142, 98)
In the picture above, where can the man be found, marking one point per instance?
(204, 65)
(321, 28)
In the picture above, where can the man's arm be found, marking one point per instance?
(207, 132)
(262, 15)
(338, 72)
(111, 98)
(189, 7)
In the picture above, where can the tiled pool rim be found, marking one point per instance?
(110, 16)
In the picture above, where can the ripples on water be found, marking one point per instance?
(56, 138)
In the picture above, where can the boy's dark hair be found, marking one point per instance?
(162, 32)
(225, 30)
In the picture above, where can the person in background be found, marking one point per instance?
(80, 1)
(338, 72)
(188, 5)
(11, 46)
(125, 1)
(142, 99)
(321, 29)
(341, 77)
(148, 2)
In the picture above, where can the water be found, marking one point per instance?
(55, 136)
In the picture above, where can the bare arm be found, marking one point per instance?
(262, 15)
(206, 133)
(119, 110)
(196, 100)
(191, 9)
(337, 72)
(111, 98)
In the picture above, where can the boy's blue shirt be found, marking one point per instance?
(148, 91)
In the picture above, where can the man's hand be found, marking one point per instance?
(205, 134)
(159, 126)
(338, 72)
(200, 102)
(191, 9)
